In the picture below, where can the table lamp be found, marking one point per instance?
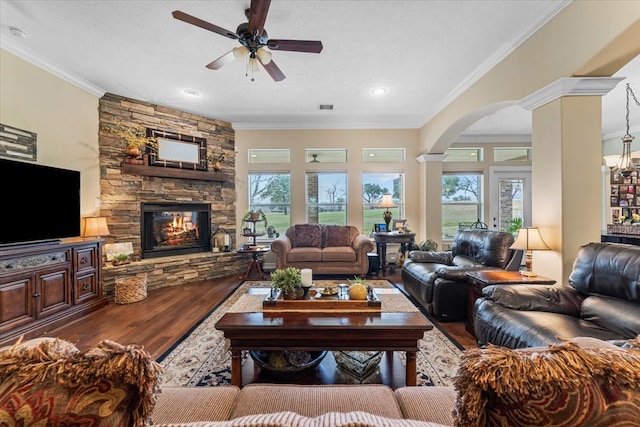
(94, 226)
(387, 202)
(528, 240)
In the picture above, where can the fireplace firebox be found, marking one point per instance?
(169, 229)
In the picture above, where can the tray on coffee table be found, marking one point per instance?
(273, 301)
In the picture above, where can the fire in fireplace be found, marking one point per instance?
(175, 229)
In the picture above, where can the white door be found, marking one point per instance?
(509, 196)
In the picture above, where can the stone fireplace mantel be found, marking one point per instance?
(175, 173)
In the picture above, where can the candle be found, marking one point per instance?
(306, 277)
(227, 240)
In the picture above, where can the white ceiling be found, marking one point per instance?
(424, 52)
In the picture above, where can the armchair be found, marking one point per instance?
(437, 280)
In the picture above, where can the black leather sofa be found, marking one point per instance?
(601, 300)
(437, 280)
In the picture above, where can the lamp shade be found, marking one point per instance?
(529, 239)
(387, 201)
(612, 160)
(240, 53)
(94, 227)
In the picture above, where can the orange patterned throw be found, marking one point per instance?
(562, 385)
(52, 383)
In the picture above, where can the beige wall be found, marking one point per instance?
(603, 36)
(353, 141)
(64, 117)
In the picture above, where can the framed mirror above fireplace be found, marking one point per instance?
(176, 150)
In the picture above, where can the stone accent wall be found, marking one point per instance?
(122, 194)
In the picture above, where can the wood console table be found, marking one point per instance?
(479, 279)
(43, 286)
(382, 239)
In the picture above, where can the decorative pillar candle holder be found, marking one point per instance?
(307, 277)
(307, 281)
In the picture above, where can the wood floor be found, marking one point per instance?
(168, 313)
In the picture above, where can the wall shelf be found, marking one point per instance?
(175, 173)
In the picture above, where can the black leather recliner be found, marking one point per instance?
(602, 300)
(437, 280)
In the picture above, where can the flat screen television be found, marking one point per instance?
(37, 203)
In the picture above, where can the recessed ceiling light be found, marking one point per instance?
(192, 93)
(379, 91)
(18, 32)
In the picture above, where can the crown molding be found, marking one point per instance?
(570, 86)
(50, 67)
(425, 158)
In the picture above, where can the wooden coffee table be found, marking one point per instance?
(313, 331)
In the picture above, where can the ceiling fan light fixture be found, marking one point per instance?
(253, 65)
(240, 53)
(264, 56)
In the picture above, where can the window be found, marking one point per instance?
(512, 154)
(271, 192)
(463, 155)
(374, 186)
(334, 155)
(269, 155)
(326, 197)
(461, 201)
(383, 155)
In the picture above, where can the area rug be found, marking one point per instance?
(202, 358)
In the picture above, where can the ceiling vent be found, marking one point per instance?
(325, 107)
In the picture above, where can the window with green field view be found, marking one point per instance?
(462, 199)
(326, 197)
(271, 192)
(374, 186)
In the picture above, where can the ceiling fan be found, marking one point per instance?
(253, 39)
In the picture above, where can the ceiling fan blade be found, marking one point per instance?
(310, 46)
(274, 71)
(189, 19)
(258, 15)
(222, 61)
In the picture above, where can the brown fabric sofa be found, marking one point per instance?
(324, 248)
(580, 382)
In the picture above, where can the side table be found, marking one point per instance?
(479, 279)
(254, 264)
(382, 239)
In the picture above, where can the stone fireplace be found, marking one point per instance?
(167, 213)
(169, 229)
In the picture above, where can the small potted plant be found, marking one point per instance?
(135, 137)
(120, 259)
(215, 159)
(288, 281)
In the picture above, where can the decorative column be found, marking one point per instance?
(566, 168)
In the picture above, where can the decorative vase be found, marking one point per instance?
(216, 166)
(296, 293)
(132, 151)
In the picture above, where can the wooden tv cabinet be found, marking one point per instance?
(43, 286)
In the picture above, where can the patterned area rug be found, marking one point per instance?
(202, 358)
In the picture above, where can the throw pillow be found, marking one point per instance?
(337, 235)
(307, 235)
(562, 385)
(52, 383)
